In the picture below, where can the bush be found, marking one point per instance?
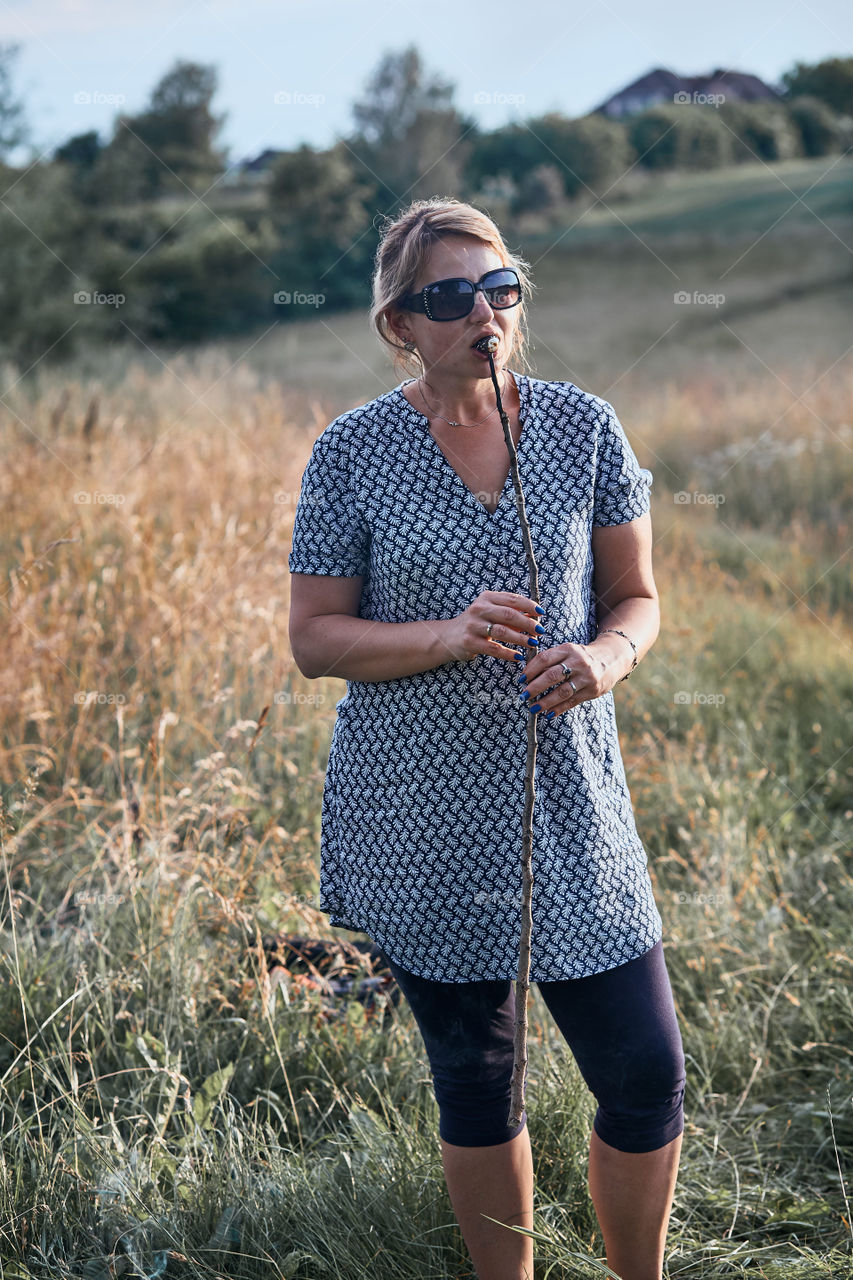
(540, 190)
(591, 152)
(511, 152)
(762, 131)
(209, 281)
(820, 129)
(675, 136)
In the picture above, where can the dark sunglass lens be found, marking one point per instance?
(503, 288)
(450, 299)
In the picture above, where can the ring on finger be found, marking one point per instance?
(489, 631)
(574, 690)
(567, 670)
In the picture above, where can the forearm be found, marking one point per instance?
(338, 644)
(639, 618)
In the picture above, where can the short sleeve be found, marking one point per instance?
(329, 534)
(621, 484)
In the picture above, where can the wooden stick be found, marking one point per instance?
(522, 982)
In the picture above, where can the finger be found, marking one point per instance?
(503, 641)
(524, 604)
(547, 665)
(512, 615)
(559, 709)
(517, 628)
(561, 699)
(504, 636)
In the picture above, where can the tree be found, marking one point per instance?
(206, 277)
(761, 131)
(80, 154)
(13, 126)
(591, 152)
(396, 92)
(170, 146)
(510, 152)
(410, 141)
(831, 81)
(820, 129)
(704, 142)
(315, 197)
(540, 191)
(39, 313)
(81, 151)
(179, 125)
(686, 136)
(654, 136)
(319, 210)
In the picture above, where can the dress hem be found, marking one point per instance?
(352, 928)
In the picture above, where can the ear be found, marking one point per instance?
(400, 325)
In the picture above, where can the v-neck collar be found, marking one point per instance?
(523, 385)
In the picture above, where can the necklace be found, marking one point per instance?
(457, 424)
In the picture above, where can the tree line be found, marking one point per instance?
(152, 235)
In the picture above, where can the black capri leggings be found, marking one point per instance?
(620, 1025)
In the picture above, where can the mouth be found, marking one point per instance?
(487, 341)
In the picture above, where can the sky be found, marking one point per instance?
(290, 70)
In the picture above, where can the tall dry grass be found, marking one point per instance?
(164, 1110)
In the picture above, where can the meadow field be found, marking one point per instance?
(166, 1111)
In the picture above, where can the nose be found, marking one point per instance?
(480, 298)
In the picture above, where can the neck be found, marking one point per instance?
(464, 399)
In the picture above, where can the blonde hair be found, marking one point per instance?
(404, 247)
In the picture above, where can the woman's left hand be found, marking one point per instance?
(590, 675)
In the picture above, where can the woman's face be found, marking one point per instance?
(445, 345)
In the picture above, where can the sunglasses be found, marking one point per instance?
(452, 299)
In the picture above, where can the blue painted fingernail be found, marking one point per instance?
(519, 657)
(549, 715)
(525, 693)
(535, 707)
(539, 609)
(540, 629)
(522, 677)
(534, 640)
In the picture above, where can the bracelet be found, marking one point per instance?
(617, 632)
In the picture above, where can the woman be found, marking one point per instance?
(410, 581)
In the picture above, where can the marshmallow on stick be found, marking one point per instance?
(489, 346)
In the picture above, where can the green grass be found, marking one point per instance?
(721, 203)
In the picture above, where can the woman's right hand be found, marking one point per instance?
(514, 621)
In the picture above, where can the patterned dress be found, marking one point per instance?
(423, 803)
